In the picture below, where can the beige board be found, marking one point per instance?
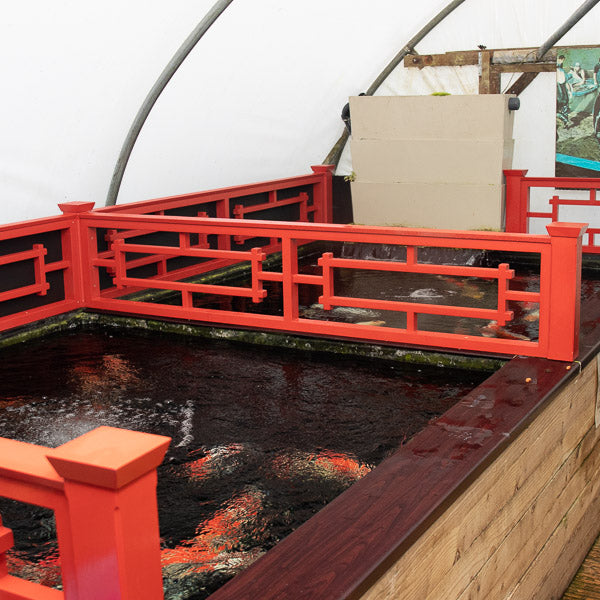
(431, 161)
(433, 205)
(484, 117)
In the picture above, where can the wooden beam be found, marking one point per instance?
(525, 68)
(450, 59)
(520, 84)
(505, 56)
(489, 81)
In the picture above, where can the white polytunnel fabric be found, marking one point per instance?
(259, 97)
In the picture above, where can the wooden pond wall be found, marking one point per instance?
(522, 528)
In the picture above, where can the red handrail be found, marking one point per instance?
(558, 298)
(518, 213)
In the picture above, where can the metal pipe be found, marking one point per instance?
(574, 18)
(334, 154)
(211, 16)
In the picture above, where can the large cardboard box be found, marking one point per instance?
(431, 161)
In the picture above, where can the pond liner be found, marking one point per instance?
(346, 547)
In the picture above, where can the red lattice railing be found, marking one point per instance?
(519, 215)
(558, 302)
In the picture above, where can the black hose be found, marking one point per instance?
(211, 16)
(334, 154)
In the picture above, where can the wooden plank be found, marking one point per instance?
(567, 546)
(505, 56)
(533, 530)
(525, 68)
(462, 536)
(450, 59)
(520, 84)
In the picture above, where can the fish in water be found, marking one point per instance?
(348, 311)
(467, 289)
(492, 329)
(426, 293)
(534, 315)
(372, 323)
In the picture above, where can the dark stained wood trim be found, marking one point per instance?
(347, 546)
(520, 84)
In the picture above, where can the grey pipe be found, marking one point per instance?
(574, 18)
(334, 154)
(211, 16)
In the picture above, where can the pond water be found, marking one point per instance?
(262, 439)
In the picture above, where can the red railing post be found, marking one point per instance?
(516, 201)
(6, 543)
(565, 290)
(322, 193)
(77, 276)
(110, 486)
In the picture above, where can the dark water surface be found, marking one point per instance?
(262, 439)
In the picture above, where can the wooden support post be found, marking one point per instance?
(516, 201)
(110, 486)
(565, 290)
(489, 79)
(289, 267)
(322, 194)
(78, 278)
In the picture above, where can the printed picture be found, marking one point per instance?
(578, 112)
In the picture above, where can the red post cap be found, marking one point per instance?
(77, 206)
(323, 168)
(109, 457)
(571, 230)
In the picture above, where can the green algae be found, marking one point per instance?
(85, 319)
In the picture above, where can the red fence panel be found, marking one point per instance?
(558, 302)
(519, 215)
(228, 202)
(61, 273)
(40, 270)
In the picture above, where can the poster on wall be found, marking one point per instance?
(578, 112)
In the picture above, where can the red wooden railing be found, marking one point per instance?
(44, 248)
(102, 489)
(558, 297)
(228, 202)
(518, 213)
(64, 259)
